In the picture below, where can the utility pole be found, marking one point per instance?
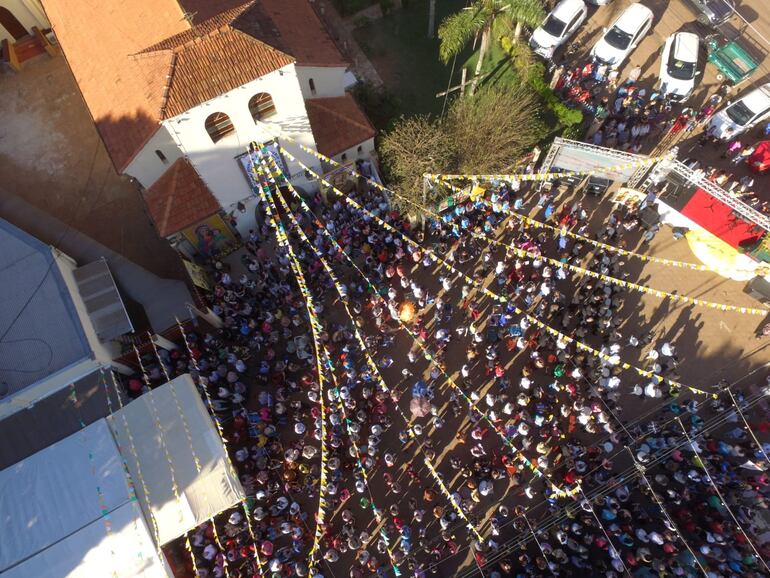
(431, 18)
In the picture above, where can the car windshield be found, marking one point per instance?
(617, 38)
(554, 26)
(718, 8)
(739, 113)
(680, 69)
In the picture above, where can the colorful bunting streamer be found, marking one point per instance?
(613, 280)
(564, 231)
(185, 425)
(316, 330)
(159, 427)
(492, 294)
(73, 396)
(132, 447)
(376, 512)
(646, 162)
(526, 219)
(228, 460)
(370, 361)
(428, 356)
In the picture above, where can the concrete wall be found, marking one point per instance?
(147, 167)
(328, 81)
(216, 162)
(28, 12)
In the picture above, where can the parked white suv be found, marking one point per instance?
(560, 24)
(620, 39)
(679, 65)
(740, 115)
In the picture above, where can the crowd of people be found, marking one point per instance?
(519, 391)
(624, 115)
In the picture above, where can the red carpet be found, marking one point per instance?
(718, 219)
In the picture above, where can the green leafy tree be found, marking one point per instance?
(479, 20)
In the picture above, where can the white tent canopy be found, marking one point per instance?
(201, 494)
(68, 511)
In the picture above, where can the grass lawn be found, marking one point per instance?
(406, 59)
(497, 70)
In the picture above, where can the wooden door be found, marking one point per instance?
(11, 24)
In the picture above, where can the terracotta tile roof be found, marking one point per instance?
(130, 89)
(338, 124)
(201, 10)
(179, 198)
(303, 33)
(122, 94)
(217, 56)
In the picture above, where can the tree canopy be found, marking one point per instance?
(486, 133)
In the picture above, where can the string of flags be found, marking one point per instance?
(609, 359)
(159, 427)
(558, 492)
(376, 512)
(373, 366)
(185, 425)
(220, 431)
(132, 448)
(131, 489)
(561, 230)
(619, 168)
(526, 219)
(105, 512)
(316, 330)
(583, 271)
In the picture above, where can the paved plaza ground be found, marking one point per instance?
(712, 346)
(52, 157)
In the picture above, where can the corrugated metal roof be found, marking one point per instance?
(102, 300)
(42, 330)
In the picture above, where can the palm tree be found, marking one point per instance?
(481, 18)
